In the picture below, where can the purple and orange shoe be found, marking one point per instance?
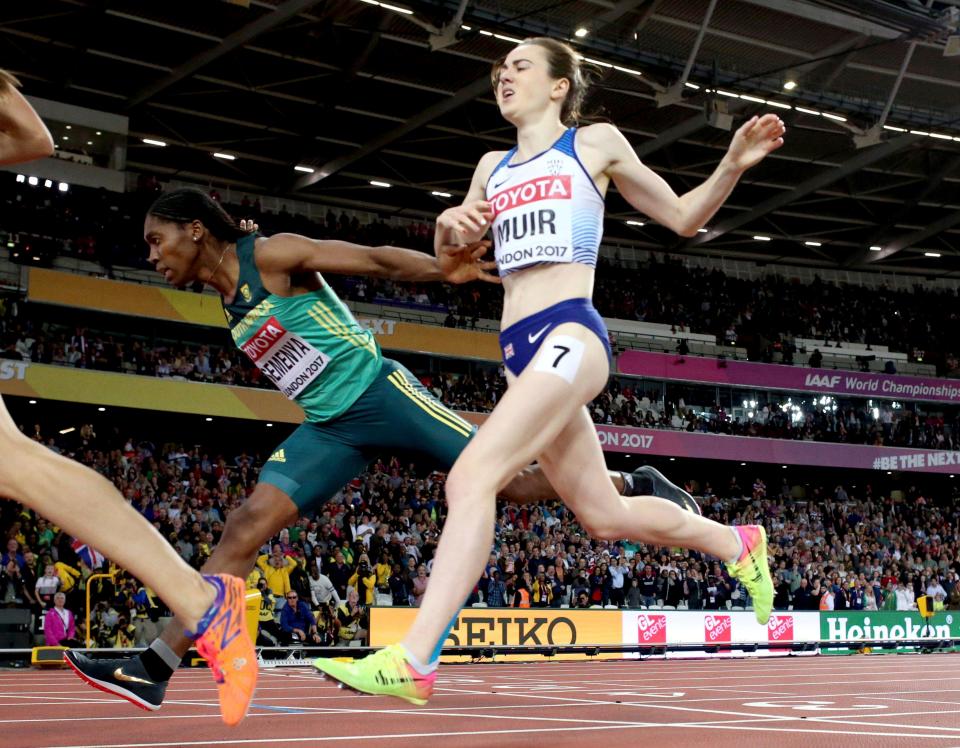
(223, 641)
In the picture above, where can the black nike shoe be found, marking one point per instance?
(648, 481)
(124, 677)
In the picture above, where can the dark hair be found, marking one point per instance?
(563, 62)
(186, 204)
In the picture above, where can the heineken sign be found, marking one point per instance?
(899, 625)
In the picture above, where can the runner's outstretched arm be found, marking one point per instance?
(23, 136)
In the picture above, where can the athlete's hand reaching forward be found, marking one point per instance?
(462, 264)
(470, 221)
(757, 137)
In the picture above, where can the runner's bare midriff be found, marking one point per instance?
(533, 289)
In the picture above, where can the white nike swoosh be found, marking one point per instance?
(534, 338)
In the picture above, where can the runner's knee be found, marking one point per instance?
(256, 521)
(465, 483)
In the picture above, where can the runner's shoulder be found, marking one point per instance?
(488, 163)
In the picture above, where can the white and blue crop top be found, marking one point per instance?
(545, 210)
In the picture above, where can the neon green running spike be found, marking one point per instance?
(753, 570)
(384, 673)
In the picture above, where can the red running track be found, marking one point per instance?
(880, 700)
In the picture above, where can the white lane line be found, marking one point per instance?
(420, 735)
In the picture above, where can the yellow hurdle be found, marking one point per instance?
(48, 657)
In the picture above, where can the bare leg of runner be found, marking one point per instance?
(87, 506)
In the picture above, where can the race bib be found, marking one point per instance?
(532, 222)
(288, 360)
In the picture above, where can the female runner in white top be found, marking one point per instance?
(539, 87)
(544, 202)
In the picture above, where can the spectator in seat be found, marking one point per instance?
(68, 577)
(935, 588)
(648, 587)
(542, 591)
(322, 590)
(496, 591)
(13, 591)
(521, 594)
(339, 573)
(47, 586)
(617, 573)
(855, 596)
(299, 579)
(60, 625)
(13, 553)
(803, 598)
(953, 602)
(364, 579)
(399, 586)
(269, 634)
(695, 589)
(419, 585)
(781, 593)
(352, 617)
(557, 587)
(124, 634)
(672, 590)
(383, 568)
(296, 622)
(905, 596)
(828, 598)
(816, 359)
(276, 570)
(328, 624)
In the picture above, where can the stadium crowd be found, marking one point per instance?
(625, 402)
(374, 542)
(760, 315)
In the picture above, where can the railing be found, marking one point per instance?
(109, 575)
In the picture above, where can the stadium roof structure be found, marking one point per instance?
(362, 91)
